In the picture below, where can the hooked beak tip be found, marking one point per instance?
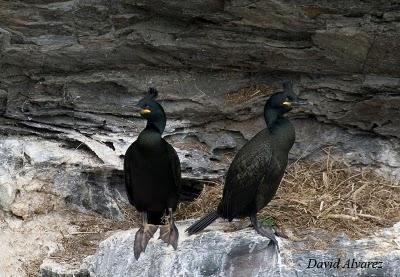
(300, 103)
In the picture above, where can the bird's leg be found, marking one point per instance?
(280, 232)
(169, 233)
(264, 231)
(143, 235)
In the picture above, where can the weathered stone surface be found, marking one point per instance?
(78, 79)
(7, 190)
(28, 204)
(71, 71)
(39, 175)
(245, 253)
(51, 268)
(209, 254)
(26, 241)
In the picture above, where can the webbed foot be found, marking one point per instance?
(169, 234)
(265, 231)
(142, 237)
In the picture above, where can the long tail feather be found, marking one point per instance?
(202, 223)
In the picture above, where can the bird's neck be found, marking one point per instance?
(281, 129)
(149, 138)
(156, 125)
(270, 116)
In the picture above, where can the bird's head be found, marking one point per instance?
(151, 110)
(149, 107)
(280, 103)
(285, 100)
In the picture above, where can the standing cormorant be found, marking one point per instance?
(152, 176)
(257, 169)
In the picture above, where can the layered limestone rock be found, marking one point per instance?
(71, 71)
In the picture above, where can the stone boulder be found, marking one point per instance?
(219, 251)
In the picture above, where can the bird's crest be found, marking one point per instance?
(288, 89)
(287, 85)
(152, 93)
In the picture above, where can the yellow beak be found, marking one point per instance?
(287, 104)
(145, 111)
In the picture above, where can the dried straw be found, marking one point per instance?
(328, 194)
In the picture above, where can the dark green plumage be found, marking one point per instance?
(257, 169)
(152, 176)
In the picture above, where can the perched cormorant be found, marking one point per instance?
(152, 176)
(257, 169)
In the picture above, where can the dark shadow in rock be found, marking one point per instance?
(191, 189)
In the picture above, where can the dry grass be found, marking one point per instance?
(91, 229)
(328, 195)
(333, 196)
(205, 203)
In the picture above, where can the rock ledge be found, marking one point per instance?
(240, 253)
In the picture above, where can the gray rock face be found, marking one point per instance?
(7, 191)
(245, 253)
(209, 254)
(72, 70)
(70, 88)
(37, 174)
(50, 268)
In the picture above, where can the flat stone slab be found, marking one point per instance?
(245, 253)
(212, 253)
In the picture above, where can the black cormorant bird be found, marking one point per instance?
(152, 176)
(257, 169)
